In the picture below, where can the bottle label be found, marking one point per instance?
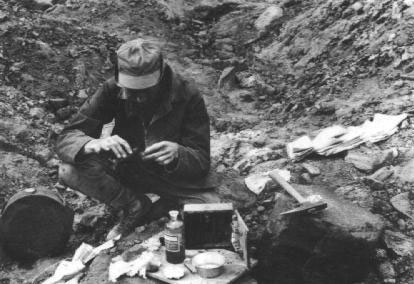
(172, 242)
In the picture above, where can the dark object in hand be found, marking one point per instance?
(135, 156)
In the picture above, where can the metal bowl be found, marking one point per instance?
(209, 264)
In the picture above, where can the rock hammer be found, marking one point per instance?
(311, 204)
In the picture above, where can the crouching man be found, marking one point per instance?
(160, 142)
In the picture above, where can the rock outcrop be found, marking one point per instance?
(333, 246)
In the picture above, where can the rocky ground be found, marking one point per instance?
(270, 71)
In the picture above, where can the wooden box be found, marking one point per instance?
(215, 225)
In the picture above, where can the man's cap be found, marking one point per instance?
(139, 64)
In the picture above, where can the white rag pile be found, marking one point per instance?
(335, 139)
(69, 272)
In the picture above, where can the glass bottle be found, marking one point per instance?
(174, 239)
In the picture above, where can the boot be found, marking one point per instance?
(132, 216)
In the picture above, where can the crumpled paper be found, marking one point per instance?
(335, 139)
(119, 267)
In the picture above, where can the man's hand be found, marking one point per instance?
(116, 144)
(163, 152)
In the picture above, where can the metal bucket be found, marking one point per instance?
(35, 223)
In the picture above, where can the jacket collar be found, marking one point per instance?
(174, 85)
(172, 92)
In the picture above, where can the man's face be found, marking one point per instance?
(143, 96)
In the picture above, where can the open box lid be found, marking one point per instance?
(215, 225)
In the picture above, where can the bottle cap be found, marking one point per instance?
(173, 214)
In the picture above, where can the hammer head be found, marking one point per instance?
(307, 207)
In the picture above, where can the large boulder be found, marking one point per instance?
(333, 246)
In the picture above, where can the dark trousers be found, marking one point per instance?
(119, 184)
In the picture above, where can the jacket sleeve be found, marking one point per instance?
(87, 123)
(194, 149)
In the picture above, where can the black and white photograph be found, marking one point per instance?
(207, 141)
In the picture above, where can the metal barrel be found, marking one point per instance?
(35, 223)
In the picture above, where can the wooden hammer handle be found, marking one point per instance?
(283, 183)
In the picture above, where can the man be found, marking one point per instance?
(160, 141)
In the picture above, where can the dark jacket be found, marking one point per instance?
(182, 118)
